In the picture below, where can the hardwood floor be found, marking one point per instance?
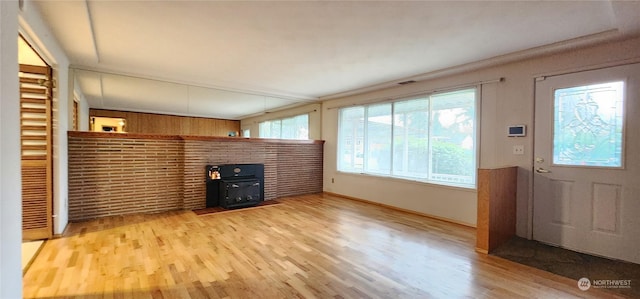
(309, 246)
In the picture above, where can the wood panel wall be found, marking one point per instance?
(115, 174)
(149, 123)
(496, 207)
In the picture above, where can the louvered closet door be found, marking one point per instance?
(35, 132)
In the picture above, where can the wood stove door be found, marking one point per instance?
(240, 193)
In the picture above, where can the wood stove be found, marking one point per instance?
(235, 185)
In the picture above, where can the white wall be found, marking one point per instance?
(10, 191)
(38, 34)
(83, 108)
(503, 104)
(83, 114)
(315, 118)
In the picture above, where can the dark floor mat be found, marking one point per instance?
(573, 265)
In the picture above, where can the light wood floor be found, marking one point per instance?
(308, 246)
(29, 251)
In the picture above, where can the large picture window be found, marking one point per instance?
(430, 138)
(296, 127)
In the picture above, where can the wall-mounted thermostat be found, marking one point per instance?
(517, 131)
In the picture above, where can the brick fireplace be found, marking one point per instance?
(115, 174)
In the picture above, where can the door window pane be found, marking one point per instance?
(587, 126)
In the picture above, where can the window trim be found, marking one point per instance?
(477, 89)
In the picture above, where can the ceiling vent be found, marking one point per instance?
(407, 82)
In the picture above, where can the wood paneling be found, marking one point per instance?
(149, 123)
(496, 207)
(313, 246)
(114, 174)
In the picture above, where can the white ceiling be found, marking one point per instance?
(234, 59)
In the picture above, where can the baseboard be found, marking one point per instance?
(456, 222)
(483, 251)
(64, 232)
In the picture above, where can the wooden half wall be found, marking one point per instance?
(115, 174)
(496, 207)
(150, 123)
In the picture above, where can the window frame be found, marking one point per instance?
(392, 174)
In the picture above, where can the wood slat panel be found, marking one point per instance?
(33, 90)
(36, 168)
(33, 128)
(31, 163)
(29, 80)
(36, 69)
(34, 96)
(32, 100)
(33, 110)
(34, 137)
(34, 147)
(34, 158)
(27, 119)
(34, 197)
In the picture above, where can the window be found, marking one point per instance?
(296, 127)
(587, 125)
(429, 138)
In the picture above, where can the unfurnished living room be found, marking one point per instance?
(319, 149)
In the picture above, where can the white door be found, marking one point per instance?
(587, 162)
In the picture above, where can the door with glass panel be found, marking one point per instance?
(587, 162)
